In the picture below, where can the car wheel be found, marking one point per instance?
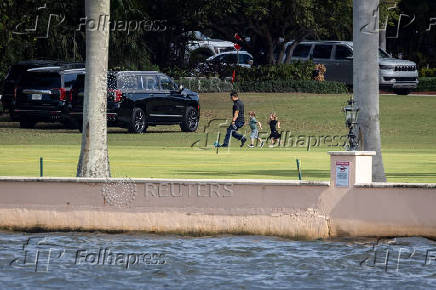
(138, 123)
(190, 120)
(402, 92)
(27, 124)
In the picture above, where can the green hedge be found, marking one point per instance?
(293, 71)
(300, 86)
(206, 85)
(427, 85)
(212, 85)
(427, 72)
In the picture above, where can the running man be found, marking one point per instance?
(237, 121)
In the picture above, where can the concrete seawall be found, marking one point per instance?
(306, 210)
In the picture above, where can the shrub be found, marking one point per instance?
(211, 85)
(427, 72)
(300, 86)
(427, 84)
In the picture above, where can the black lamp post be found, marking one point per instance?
(351, 111)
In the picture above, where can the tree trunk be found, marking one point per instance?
(366, 83)
(93, 160)
(382, 39)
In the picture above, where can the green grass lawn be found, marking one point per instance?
(408, 140)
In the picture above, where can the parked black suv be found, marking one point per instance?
(15, 74)
(43, 93)
(138, 99)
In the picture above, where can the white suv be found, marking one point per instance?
(399, 75)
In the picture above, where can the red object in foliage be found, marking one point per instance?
(237, 46)
(233, 76)
(237, 37)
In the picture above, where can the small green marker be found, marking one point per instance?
(299, 170)
(41, 167)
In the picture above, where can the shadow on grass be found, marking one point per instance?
(56, 127)
(291, 174)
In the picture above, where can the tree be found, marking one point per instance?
(94, 160)
(366, 87)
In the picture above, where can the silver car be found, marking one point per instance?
(398, 75)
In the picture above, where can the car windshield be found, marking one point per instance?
(41, 80)
(383, 54)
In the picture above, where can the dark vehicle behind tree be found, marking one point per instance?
(15, 74)
(42, 94)
(139, 99)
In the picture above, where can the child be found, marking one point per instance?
(274, 124)
(254, 132)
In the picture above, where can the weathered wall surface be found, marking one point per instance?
(282, 208)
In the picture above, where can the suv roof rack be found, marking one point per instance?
(136, 71)
(45, 68)
(67, 67)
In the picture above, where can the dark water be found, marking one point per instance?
(72, 260)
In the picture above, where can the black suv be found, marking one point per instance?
(138, 99)
(43, 93)
(15, 74)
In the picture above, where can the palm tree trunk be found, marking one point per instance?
(366, 82)
(94, 160)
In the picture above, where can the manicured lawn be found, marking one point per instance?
(408, 135)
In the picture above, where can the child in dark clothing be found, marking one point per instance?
(274, 124)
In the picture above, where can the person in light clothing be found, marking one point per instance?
(254, 131)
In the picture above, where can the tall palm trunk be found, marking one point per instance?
(366, 82)
(94, 160)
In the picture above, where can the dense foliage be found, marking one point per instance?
(427, 84)
(265, 26)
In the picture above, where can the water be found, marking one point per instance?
(52, 260)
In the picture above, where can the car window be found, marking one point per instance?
(383, 54)
(302, 50)
(111, 81)
(322, 51)
(150, 83)
(69, 80)
(41, 80)
(230, 58)
(244, 58)
(166, 83)
(126, 82)
(342, 52)
(79, 84)
(140, 82)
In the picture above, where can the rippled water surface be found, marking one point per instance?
(99, 260)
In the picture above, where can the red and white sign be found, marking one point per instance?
(343, 173)
(237, 46)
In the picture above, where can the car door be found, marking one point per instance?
(171, 102)
(153, 99)
(128, 85)
(245, 60)
(322, 54)
(342, 70)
